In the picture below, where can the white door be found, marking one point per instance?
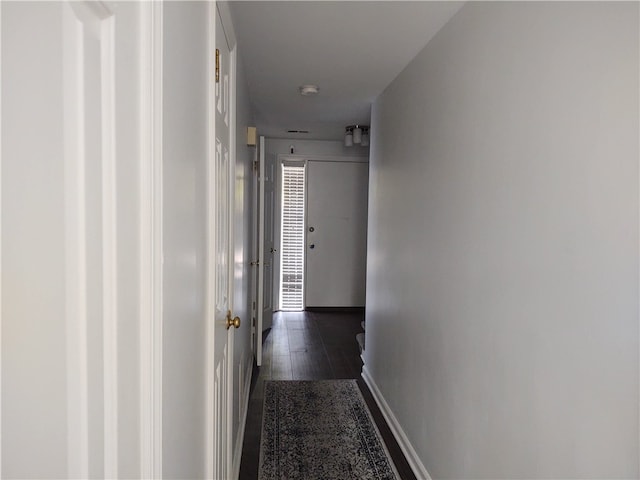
(336, 253)
(266, 248)
(220, 207)
(70, 99)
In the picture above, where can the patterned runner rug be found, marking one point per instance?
(320, 430)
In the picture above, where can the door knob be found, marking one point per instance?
(232, 322)
(312, 246)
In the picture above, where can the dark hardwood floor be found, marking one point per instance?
(310, 346)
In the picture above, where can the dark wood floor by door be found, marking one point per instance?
(310, 346)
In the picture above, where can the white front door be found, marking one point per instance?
(70, 109)
(266, 247)
(336, 254)
(220, 270)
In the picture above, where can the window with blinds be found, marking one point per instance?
(292, 238)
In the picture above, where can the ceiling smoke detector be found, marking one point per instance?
(309, 90)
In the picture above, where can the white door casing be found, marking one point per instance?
(266, 248)
(151, 240)
(255, 249)
(270, 250)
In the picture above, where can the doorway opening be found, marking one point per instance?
(292, 237)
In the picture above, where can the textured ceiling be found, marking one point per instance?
(351, 50)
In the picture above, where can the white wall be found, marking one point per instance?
(184, 159)
(502, 300)
(185, 154)
(244, 231)
(33, 244)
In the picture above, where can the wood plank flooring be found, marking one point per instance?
(310, 346)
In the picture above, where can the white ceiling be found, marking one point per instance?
(351, 49)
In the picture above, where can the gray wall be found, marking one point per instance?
(185, 153)
(184, 247)
(502, 299)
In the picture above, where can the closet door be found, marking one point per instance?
(336, 247)
(69, 99)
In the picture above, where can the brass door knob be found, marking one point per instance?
(232, 322)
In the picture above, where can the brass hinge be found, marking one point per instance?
(217, 65)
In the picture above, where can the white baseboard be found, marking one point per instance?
(244, 404)
(410, 454)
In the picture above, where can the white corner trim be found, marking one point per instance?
(151, 205)
(244, 410)
(410, 454)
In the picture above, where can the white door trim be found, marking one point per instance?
(75, 241)
(109, 257)
(151, 245)
(210, 441)
(260, 299)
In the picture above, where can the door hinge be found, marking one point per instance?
(253, 321)
(217, 65)
(256, 164)
(254, 307)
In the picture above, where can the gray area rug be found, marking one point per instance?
(320, 430)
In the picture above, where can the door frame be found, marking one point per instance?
(254, 251)
(260, 250)
(151, 241)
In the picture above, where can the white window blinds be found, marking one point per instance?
(292, 235)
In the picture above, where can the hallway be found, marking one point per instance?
(310, 346)
(502, 231)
